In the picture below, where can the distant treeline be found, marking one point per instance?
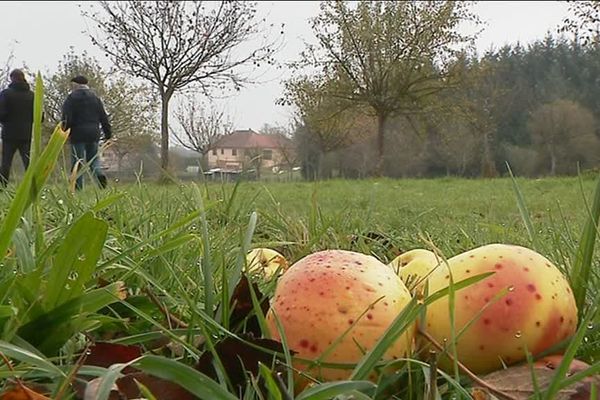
(535, 107)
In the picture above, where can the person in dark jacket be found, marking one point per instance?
(84, 114)
(16, 117)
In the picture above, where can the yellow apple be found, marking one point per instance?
(266, 262)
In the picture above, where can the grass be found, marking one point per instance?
(155, 235)
(69, 256)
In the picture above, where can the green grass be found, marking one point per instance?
(172, 238)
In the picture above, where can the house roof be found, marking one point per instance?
(248, 139)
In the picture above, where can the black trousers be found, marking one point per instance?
(9, 148)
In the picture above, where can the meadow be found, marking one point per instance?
(157, 248)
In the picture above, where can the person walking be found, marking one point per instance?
(16, 117)
(84, 114)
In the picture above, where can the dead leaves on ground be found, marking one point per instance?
(239, 357)
(242, 307)
(517, 381)
(21, 392)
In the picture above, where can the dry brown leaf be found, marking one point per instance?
(22, 392)
(516, 381)
(160, 388)
(242, 307)
(240, 358)
(102, 354)
(482, 394)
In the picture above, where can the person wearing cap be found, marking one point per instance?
(16, 117)
(83, 113)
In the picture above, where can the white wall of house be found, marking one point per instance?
(226, 158)
(234, 159)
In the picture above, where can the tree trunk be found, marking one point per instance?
(165, 97)
(317, 171)
(488, 167)
(381, 119)
(552, 163)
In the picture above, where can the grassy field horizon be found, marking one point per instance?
(454, 214)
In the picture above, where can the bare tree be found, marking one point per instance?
(8, 66)
(176, 44)
(200, 127)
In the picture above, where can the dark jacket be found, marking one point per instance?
(83, 113)
(16, 112)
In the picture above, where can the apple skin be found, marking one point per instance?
(266, 262)
(536, 311)
(414, 267)
(335, 292)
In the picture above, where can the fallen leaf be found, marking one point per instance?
(553, 362)
(481, 394)
(516, 381)
(103, 354)
(241, 301)
(160, 388)
(239, 358)
(22, 392)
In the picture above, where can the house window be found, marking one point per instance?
(222, 151)
(234, 152)
(267, 154)
(214, 152)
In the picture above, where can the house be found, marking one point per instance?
(244, 149)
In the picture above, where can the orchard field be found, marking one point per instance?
(129, 268)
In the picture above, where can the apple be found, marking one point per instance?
(266, 262)
(334, 305)
(526, 305)
(414, 267)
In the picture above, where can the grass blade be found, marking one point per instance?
(30, 187)
(193, 381)
(75, 260)
(28, 357)
(207, 269)
(524, 212)
(582, 265)
(400, 324)
(38, 107)
(569, 356)
(325, 391)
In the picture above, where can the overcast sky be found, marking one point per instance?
(42, 32)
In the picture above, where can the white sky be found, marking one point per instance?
(42, 32)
